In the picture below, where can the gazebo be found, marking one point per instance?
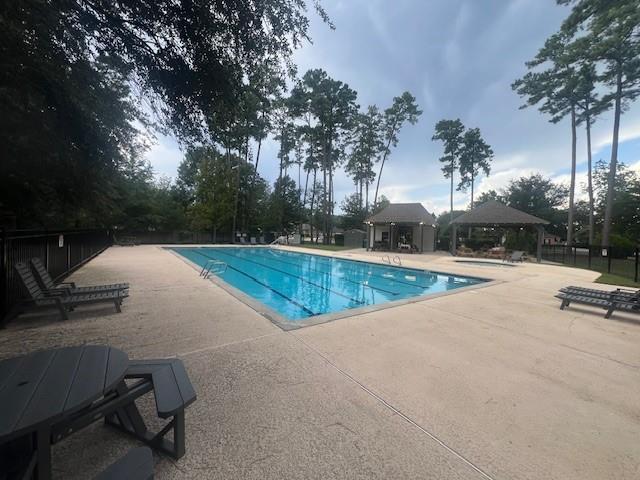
(402, 226)
(495, 214)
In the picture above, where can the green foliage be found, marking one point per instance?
(75, 74)
(403, 109)
(353, 214)
(476, 155)
(285, 208)
(540, 197)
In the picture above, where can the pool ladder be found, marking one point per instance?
(389, 260)
(212, 265)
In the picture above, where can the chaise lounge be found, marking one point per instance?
(611, 304)
(592, 292)
(40, 299)
(46, 282)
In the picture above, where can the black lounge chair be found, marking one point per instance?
(47, 299)
(628, 295)
(609, 304)
(47, 283)
(137, 464)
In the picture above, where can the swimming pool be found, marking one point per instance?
(299, 286)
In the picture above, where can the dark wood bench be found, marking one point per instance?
(137, 464)
(173, 393)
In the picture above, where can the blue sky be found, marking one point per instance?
(458, 58)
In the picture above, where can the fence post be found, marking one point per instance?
(4, 278)
(635, 279)
(608, 259)
(575, 255)
(590, 256)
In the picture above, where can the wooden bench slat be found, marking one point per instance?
(51, 393)
(87, 379)
(117, 363)
(31, 371)
(168, 398)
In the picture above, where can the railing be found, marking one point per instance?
(62, 251)
(624, 262)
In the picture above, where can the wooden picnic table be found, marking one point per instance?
(41, 389)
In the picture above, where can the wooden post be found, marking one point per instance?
(540, 239)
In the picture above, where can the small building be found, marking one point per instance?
(355, 238)
(551, 239)
(402, 226)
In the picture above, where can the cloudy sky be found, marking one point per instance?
(458, 58)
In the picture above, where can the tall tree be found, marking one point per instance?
(404, 109)
(74, 74)
(332, 105)
(558, 88)
(475, 156)
(613, 28)
(367, 143)
(450, 133)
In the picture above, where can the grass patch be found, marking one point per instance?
(320, 246)
(611, 279)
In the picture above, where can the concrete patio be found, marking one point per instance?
(493, 383)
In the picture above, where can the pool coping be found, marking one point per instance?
(288, 325)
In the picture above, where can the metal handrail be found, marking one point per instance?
(209, 265)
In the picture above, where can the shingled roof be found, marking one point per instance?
(403, 213)
(495, 213)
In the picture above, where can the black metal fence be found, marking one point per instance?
(624, 262)
(173, 237)
(61, 251)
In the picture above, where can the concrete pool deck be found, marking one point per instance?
(490, 383)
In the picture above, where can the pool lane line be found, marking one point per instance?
(375, 265)
(360, 302)
(331, 275)
(288, 299)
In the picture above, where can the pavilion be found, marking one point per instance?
(402, 226)
(493, 214)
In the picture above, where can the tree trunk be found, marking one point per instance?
(451, 195)
(375, 197)
(589, 178)
(313, 198)
(366, 204)
(472, 181)
(235, 205)
(611, 181)
(572, 186)
(384, 158)
(324, 203)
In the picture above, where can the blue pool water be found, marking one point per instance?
(300, 285)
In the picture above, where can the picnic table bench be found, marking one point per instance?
(50, 394)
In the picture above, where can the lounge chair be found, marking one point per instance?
(46, 299)
(252, 241)
(46, 282)
(629, 295)
(516, 256)
(609, 304)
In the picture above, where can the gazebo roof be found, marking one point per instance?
(403, 213)
(494, 213)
